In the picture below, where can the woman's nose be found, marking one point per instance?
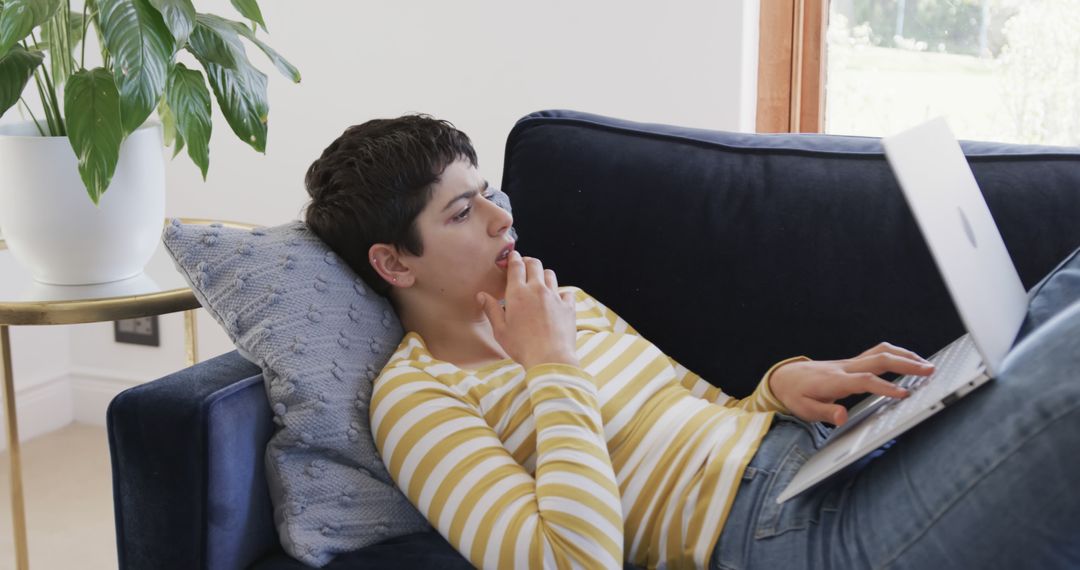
(501, 220)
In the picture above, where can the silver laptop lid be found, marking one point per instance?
(961, 235)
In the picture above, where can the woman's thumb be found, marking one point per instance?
(488, 304)
(837, 415)
(832, 413)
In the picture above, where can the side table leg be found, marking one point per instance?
(18, 510)
(191, 337)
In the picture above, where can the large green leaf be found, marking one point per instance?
(16, 67)
(21, 16)
(141, 47)
(241, 92)
(92, 108)
(179, 16)
(250, 10)
(189, 99)
(210, 43)
(287, 69)
(179, 145)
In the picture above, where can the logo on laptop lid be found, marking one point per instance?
(967, 228)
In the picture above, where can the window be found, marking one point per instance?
(790, 53)
(1003, 70)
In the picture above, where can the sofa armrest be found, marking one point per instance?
(189, 485)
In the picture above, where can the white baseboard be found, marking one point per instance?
(41, 408)
(82, 396)
(92, 390)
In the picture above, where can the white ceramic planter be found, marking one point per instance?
(55, 231)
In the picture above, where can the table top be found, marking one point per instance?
(158, 290)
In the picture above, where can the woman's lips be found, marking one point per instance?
(503, 260)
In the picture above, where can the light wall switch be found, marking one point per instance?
(143, 330)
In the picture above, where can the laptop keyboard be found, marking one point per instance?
(924, 389)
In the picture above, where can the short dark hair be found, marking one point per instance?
(372, 182)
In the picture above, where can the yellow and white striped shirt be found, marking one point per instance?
(629, 456)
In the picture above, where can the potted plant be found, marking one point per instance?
(98, 117)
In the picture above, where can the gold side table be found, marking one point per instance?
(158, 290)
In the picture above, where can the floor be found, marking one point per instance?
(68, 494)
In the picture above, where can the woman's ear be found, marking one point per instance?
(388, 264)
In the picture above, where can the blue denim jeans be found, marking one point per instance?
(992, 481)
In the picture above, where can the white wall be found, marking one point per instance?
(480, 64)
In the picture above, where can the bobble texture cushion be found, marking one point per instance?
(321, 337)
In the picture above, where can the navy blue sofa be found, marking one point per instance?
(768, 246)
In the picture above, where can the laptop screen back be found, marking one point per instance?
(962, 236)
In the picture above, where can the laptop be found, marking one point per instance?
(980, 276)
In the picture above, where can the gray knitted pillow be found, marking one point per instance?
(321, 336)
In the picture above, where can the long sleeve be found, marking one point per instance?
(452, 466)
(762, 400)
(600, 317)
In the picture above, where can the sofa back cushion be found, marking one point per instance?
(731, 251)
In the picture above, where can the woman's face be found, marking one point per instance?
(463, 233)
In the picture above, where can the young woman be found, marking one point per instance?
(535, 428)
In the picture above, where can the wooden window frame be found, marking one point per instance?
(784, 71)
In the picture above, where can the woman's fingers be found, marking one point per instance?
(515, 269)
(552, 282)
(530, 269)
(534, 270)
(893, 349)
(864, 382)
(883, 362)
(838, 385)
(493, 311)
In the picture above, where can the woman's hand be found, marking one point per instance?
(538, 323)
(809, 388)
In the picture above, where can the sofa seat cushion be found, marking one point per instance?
(417, 550)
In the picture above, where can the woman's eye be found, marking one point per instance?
(465, 213)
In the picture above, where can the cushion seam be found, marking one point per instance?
(533, 121)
